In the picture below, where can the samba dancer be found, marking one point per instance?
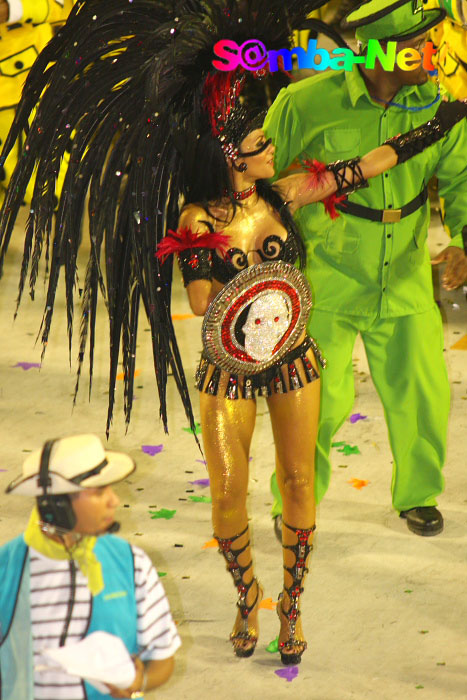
(155, 126)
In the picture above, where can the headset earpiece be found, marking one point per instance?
(55, 511)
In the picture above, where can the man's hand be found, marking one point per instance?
(455, 273)
(134, 687)
(4, 11)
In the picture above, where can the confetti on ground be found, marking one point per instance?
(441, 663)
(200, 482)
(211, 543)
(343, 466)
(201, 461)
(273, 646)
(200, 499)
(190, 430)
(288, 673)
(182, 317)
(423, 631)
(408, 590)
(162, 513)
(358, 483)
(121, 375)
(27, 365)
(3, 470)
(461, 344)
(268, 604)
(418, 687)
(178, 545)
(349, 450)
(357, 416)
(161, 574)
(152, 449)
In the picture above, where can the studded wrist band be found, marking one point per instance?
(348, 176)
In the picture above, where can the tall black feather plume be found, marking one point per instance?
(123, 81)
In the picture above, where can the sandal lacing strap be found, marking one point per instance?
(301, 550)
(238, 571)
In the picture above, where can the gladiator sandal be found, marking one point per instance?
(238, 571)
(301, 550)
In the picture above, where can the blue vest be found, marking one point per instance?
(113, 610)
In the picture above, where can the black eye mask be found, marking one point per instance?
(257, 152)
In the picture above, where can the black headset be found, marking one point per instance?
(55, 510)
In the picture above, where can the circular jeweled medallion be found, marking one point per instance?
(256, 318)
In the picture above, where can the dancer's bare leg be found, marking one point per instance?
(227, 429)
(294, 418)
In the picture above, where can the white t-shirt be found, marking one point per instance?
(50, 599)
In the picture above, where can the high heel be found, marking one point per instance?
(301, 550)
(246, 634)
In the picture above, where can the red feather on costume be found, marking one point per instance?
(220, 93)
(317, 177)
(185, 239)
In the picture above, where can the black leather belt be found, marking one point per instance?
(385, 216)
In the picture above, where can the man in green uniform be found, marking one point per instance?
(370, 268)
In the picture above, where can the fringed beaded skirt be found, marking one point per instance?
(277, 379)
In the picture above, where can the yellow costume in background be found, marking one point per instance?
(450, 38)
(28, 29)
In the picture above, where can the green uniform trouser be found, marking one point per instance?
(405, 356)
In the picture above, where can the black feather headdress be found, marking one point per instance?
(123, 82)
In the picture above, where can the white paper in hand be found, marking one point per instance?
(99, 658)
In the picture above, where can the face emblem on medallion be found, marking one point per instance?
(267, 321)
(256, 318)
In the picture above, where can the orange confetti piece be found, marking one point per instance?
(268, 604)
(211, 543)
(461, 344)
(182, 317)
(121, 375)
(358, 483)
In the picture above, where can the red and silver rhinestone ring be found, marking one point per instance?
(257, 318)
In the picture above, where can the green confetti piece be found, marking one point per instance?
(349, 450)
(161, 574)
(441, 663)
(200, 499)
(423, 631)
(197, 429)
(162, 513)
(408, 590)
(273, 646)
(419, 686)
(343, 466)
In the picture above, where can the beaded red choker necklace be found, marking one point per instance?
(244, 194)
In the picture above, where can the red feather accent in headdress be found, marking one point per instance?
(317, 177)
(185, 239)
(221, 91)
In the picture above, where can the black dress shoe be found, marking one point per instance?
(278, 527)
(424, 520)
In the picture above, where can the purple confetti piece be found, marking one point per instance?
(200, 482)
(152, 449)
(27, 365)
(357, 416)
(201, 461)
(288, 673)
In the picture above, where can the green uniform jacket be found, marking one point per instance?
(357, 266)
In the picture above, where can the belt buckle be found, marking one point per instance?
(391, 216)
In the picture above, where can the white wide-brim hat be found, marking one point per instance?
(77, 462)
